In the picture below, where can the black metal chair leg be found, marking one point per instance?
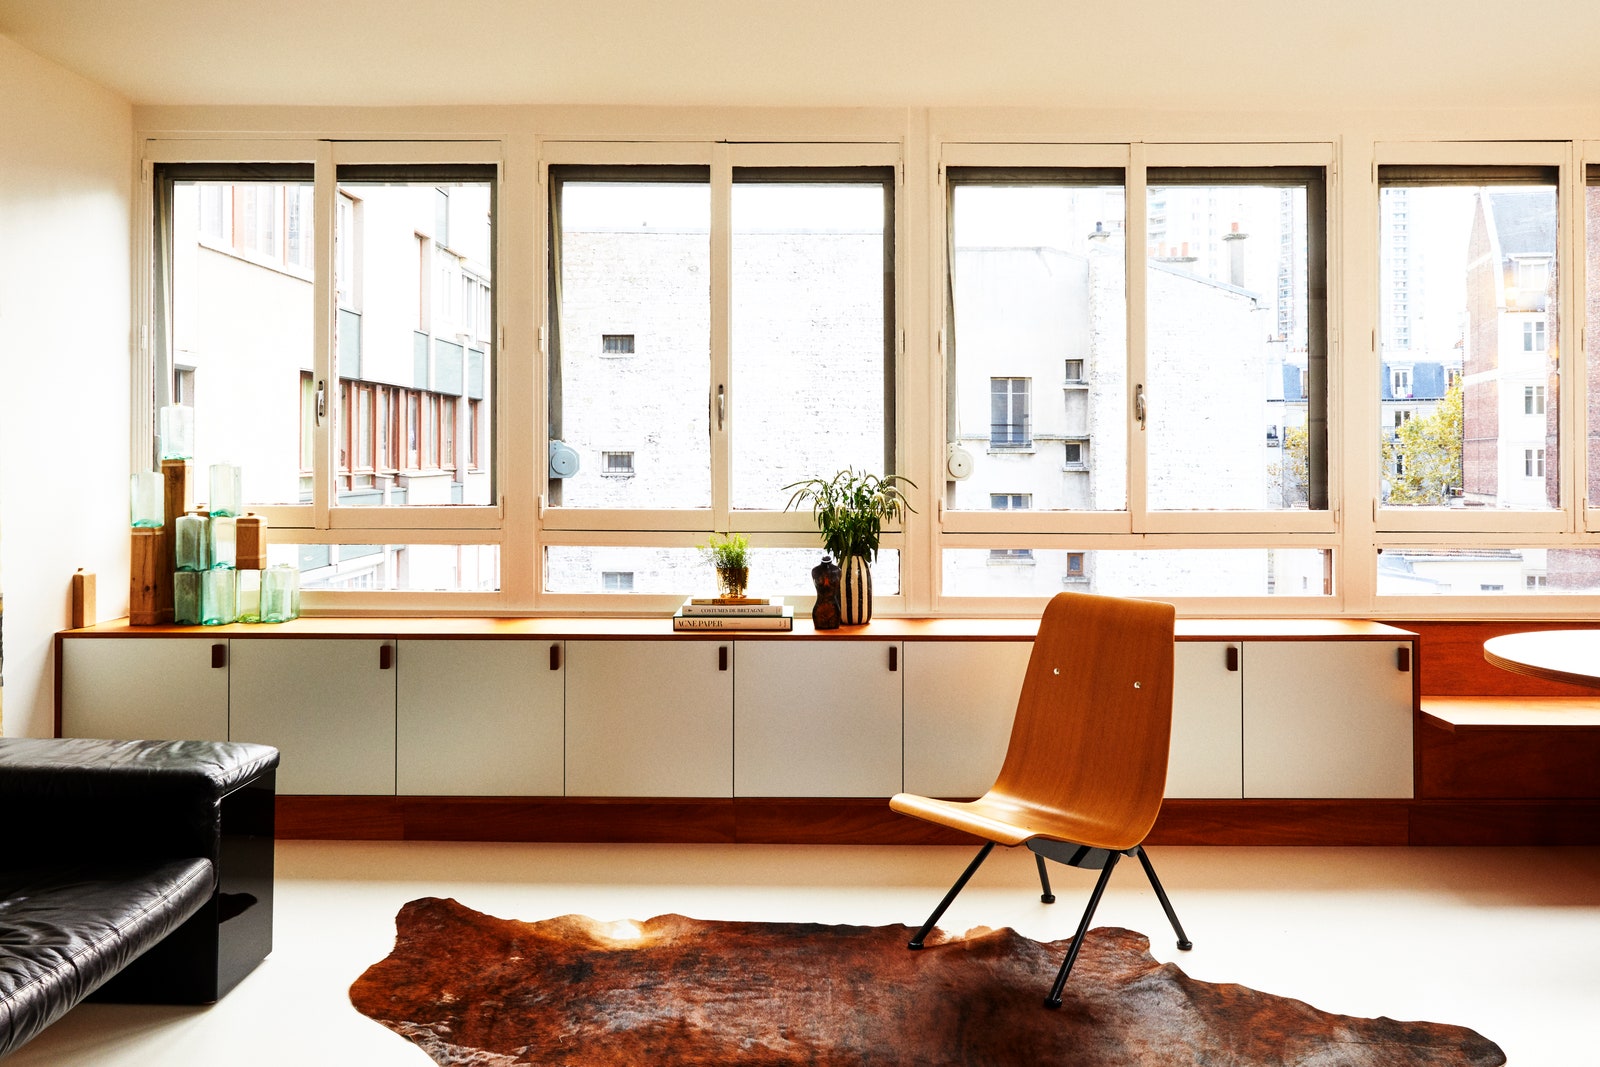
(1161, 894)
(1054, 999)
(983, 854)
(1044, 882)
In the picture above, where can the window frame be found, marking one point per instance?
(1138, 527)
(564, 527)
(321, 522)
(1485, 524)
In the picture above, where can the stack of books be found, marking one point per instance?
(734, 613)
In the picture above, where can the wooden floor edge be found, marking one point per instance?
(870, 822)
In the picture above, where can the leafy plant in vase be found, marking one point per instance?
(730, 555)
(850, 509)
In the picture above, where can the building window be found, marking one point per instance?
(1533, 400)
(1535, 581)
(1010, 502)
(616, 462)
(1075, 455)
(616, 344)
(1487, 236)
(1074, 370)
(616, 581)
(1401, 417)
(1075, 565)
(1401, 382)
(1008, 413)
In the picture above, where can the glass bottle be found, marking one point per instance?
(147, 499)
(194, 542)
(186, 598)
(222, 540)
(175, 425)
(219, 597)
(226, 492)
(280, 586)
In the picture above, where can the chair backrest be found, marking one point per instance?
(1094, 721)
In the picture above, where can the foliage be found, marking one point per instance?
(1295, 471)
(728, 550)
(851, 509)
(1431, 451)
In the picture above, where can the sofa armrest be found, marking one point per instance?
(76, 797)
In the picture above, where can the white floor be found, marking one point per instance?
(1506, 941)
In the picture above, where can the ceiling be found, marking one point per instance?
(1144, 54)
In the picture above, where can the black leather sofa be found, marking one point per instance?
(137, 871)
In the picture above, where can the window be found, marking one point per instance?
(331, 426)
(617, 462)
(1075, 565)
(1401, 417)
(1075, 455)
(1235, 292)
(416, 297)
(241, 316)
(1010, 502)
(1485, 245)
(1008, 413)
(780, 371)
(1037, 257)
(616, 581)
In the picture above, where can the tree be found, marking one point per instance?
(1429, 450)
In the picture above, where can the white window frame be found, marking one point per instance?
(1139, 527)
(1484, 525)
(650, 528)
(321, 522)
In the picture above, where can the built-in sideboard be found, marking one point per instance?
(619, 729)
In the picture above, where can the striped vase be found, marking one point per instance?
(855, 591)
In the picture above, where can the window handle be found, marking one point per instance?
(322, 401)
(1138, 404)
(722, 404)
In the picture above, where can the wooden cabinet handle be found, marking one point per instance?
(722, 657)
(894, 657)
(555, 657)
(385, 656)
(219, 656)
(1403, 659)
(1233, 657)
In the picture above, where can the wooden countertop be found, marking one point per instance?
(656, 626)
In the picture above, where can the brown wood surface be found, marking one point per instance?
(1528, 762)
(869, 821)
(1451, 657)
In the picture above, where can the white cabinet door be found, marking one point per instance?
(1207, 757)
(478, 718)
(960, 700)
(1326, 719)
(326, 704)
(817, 719)
(650, 718)
(136, 688)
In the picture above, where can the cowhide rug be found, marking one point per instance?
(473, 989)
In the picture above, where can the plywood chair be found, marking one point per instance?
(1086, 767)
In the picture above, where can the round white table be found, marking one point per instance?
(1556, 655)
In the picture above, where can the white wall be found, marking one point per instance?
(65, 206)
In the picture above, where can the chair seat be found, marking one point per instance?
(1008, 820)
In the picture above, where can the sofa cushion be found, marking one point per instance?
(65, 931)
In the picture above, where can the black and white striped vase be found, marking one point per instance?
(855, 591)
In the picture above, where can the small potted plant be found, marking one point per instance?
(850, 509)
(730, 554)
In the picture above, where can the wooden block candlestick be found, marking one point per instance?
(251, 543)
(177, 478)
(150, 578)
